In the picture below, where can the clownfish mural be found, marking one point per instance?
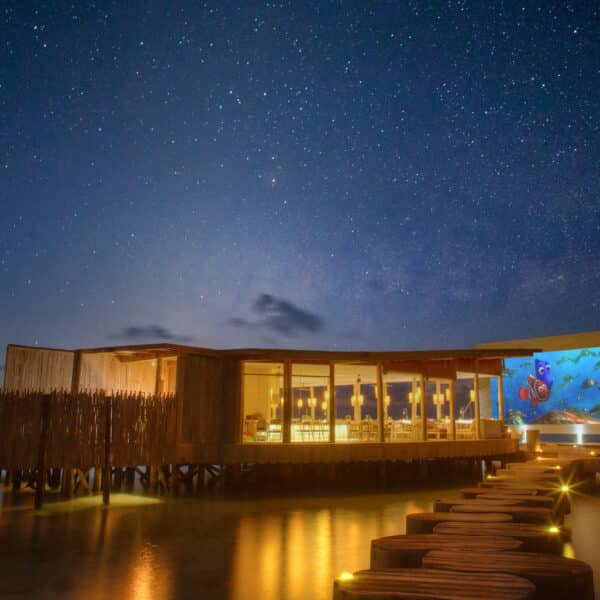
(538, 385)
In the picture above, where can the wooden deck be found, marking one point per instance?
(365, 452)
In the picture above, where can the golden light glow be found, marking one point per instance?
(300, 404)
(323, 406)
(553, 529)
(360, 401)
(386, 400)
(346, 576)
(592, 453)
(564, 488)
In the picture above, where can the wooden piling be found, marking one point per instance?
(41, 458)
(106, 476)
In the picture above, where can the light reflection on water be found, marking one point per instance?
(234, 549)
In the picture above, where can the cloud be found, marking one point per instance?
(280, 316)
(135, 333)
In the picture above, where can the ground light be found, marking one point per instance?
(554, 529)
(345, 576)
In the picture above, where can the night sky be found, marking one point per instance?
(376, 175)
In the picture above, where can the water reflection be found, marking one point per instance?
(297, 553)
(215, 548)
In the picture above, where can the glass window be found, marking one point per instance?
(401, 405)
(464, 399)
(356, 403)
(310, 402)
(263, 397)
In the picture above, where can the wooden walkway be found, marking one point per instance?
(510, 526)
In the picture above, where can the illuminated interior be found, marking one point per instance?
(341, 403)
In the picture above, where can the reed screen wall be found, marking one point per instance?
(143, 429)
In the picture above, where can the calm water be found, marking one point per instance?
(272, 549)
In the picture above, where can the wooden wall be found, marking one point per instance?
(37, 369)
(208, 393)
(104, 371)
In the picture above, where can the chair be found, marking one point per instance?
(306, 428)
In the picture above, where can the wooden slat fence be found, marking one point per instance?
(143, 429)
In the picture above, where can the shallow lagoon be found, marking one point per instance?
(287, 548)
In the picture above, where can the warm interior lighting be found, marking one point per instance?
(592, 453)
(564, 488)
(553, 529)
(300, 404)
(346, 576)
(386, 400)
(360, 400)
(472, 395)
(323, 406)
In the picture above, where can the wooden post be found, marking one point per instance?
(331, 408)
(380, 411)
(76, 375)
(452, 409)
(158, 380)
(106, 475)
(423, 408)
(287, 403)
(41, 458)
(500, 400)
(476, 401)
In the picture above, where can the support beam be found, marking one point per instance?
(476, 401)
(331, 403)
(380, 410)
(500, 399)
(76, 375)
(287, 403)
(452, 409)
(158, 379)
(422, 383)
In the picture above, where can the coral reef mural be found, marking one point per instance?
(561, 387)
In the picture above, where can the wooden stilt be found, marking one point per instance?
(106, 478)
(41, 458)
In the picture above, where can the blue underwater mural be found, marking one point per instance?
(553, 388)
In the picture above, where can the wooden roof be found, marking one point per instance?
(569, 341)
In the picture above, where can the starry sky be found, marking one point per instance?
(315, 174)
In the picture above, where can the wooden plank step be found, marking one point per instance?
(527, 486)
(523, 499)
(521, 514)
(426, 521)
(405, 551)
(473, 492)
(555, 577)
(444, 504)
(535, 538)
(430, 584)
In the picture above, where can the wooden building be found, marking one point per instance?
(296, 406)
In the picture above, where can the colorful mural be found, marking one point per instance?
(561, 387)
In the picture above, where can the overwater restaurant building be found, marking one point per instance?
(268, 405)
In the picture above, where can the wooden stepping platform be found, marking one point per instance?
(534, 487)
(444, 505)
(555, 577)
(535, 538)
(477, 491)
(405, 551)
(522, 499)
(425, 522)
(521, 514)
(429, 584)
